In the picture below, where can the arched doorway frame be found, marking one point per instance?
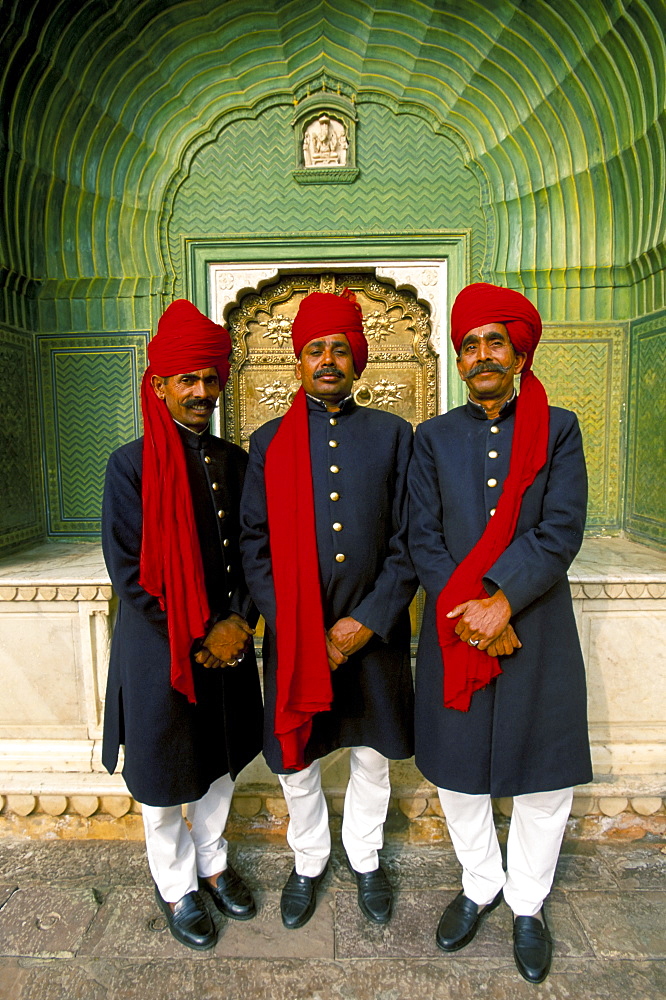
(434, 266)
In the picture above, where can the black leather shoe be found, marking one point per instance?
(460, 921)
(189, 922)
(299, 898)
(375, 895)
(532, 948)
(231, 896)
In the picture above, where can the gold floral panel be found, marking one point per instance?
(402, 369)
(585, 369)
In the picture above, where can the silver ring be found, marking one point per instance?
(241, 657)
(474, 642)
(232, 663)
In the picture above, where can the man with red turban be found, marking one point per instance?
(324, 543)
(183, 692)
(498, 495)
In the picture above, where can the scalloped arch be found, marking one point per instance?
(560, 105)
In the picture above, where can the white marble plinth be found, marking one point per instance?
(56, 606)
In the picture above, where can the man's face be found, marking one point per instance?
(190, 398)
(326, 368)
(488, 363)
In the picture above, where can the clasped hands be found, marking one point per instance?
(226, 643)
(485, 624)
(343, 639)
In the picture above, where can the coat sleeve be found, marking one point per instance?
(255, 546)
(427, 544)
(121, 538)
(396, 584)
(548, 549)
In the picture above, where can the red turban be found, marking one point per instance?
(466, 668)
(483, 303)
(323, 314)
(171, 568)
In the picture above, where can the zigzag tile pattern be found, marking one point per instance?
(90, 407)
(92, 417)
(410, 178)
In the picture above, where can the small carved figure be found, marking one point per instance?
(325, 143)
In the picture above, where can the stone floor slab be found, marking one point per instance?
(74, 862)
(624, 924)
(583, 872)
(445, 979)
(131, 925)
(411, 932)
(636, 866)
(266, 937)
(48, 922)
(5, 892)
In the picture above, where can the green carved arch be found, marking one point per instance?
(560, 105)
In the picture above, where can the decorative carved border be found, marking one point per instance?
(57, 592)
(619, 591)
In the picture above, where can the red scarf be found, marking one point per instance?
(303, 674)
(466, 668)
(171, 567)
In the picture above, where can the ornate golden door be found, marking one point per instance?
(402, 368)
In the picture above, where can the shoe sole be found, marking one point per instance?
(472, 934)
(163, 905)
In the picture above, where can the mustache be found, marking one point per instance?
(486, 366)
(191, 404)
(332, 370)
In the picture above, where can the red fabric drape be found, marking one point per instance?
(171, 568)
(466, 668)
(303, 674)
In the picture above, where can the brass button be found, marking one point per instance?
(492, 454)
(230, 594)
(334, 468)
(207, 459)
(337, 526)
(228, 569)
(332, 421)
(225, 542)
(221, 514)
(494, 429)
(340, 557)
(492, 482)
(491, 512)
(332, 444)
(334, 496)
(215, 486)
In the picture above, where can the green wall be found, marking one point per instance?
(537, 127)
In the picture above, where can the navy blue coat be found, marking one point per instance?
(526, 731)
(372, 692)
(173, 749)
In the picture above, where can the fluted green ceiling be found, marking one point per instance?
(560, 104)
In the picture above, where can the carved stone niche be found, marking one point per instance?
(324, 126)
(401, 375)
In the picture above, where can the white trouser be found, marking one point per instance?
(366, 805)
(533, 846)
(177, 855)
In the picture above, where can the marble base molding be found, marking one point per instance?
(56, 614)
